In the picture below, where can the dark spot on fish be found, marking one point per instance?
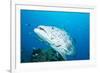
(52, 27)
(52, 38)
(42, 29)
(58, 45)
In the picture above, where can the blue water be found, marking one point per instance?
(75, 23)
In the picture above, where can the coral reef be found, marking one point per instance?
(42, 55)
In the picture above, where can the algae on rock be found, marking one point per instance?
(43, 55)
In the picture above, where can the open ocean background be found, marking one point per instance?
(75, 23)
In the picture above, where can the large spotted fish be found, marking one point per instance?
(58, 39)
